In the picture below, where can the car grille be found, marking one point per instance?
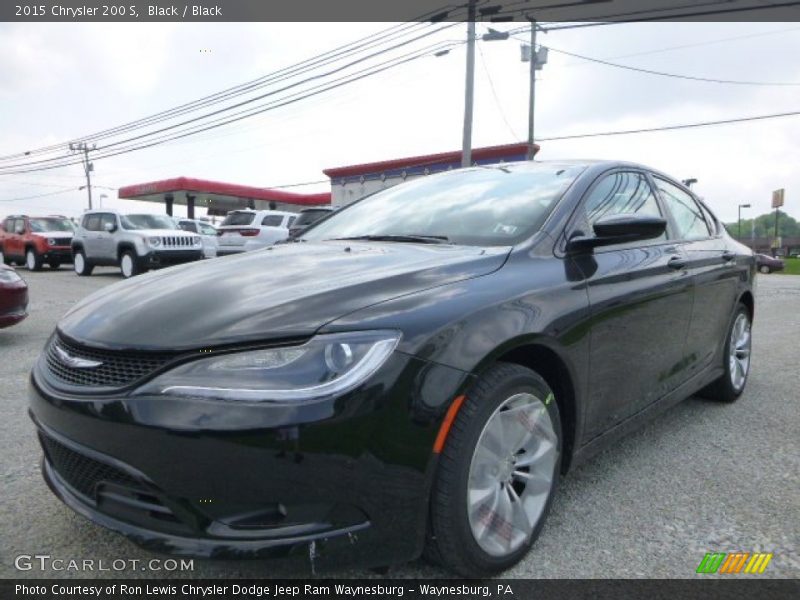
(117, 369)
(80, 472)
(61, 241)
(176, 241)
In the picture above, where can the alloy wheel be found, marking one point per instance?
(79, 264)
(511, 474)
(126, 264)
(739, 349)
(30, 260)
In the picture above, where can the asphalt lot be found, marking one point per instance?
(703, 477)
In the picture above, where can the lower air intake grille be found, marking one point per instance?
(80, 472)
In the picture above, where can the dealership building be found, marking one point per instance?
(348, 184)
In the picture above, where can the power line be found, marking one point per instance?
(674, 75)
(56, 162)
(374, 40)
(671, 127)
(496, 98)
(64, 191)
(199, 128)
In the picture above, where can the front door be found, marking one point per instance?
(640, 297)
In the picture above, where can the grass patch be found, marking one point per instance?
(792, 266)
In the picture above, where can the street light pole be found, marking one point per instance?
(532, 92)
(741, 206)
(466, 144)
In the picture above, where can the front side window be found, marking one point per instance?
(690, 223)
(50, 224)
(146, 222)
(106, 220)
(188, 226)
(206, 229)
(488, 206)
(621, 193)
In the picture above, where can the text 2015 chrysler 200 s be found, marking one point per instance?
(414, 373)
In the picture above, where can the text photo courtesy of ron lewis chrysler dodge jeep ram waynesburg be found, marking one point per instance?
(412, 374)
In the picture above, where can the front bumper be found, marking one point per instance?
(13, 304)
(165, 258)
(60, 253)
(349, 479)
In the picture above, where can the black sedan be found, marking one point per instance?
(767, 264)
(416, 372)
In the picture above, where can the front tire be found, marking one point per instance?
(736, 358)
(81, 265)
(33, 262)
(765, 269)
(129, 265)
(497, 473)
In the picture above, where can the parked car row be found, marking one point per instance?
(139, 242)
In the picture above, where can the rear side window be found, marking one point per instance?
(710, 219)
(272, 221)
(621, 194)
(238, 218)
(690, 223)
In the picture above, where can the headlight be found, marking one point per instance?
(51, 242)
(154, 241)
(197, 241)
(9, 276)
(324, 367)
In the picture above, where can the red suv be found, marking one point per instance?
(36, 240)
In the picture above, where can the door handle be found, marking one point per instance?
(677, 262)
(728, 256)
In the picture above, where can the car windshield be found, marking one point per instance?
(147, 222)
(206, 229)
(45, 225)
(238, 218)
(496, 206)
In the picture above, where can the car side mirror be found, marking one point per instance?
(619, 229)
(110, 227)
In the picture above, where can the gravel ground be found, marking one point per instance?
(703, 477)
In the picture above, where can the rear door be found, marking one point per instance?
(641, 303)
(14, 245)
(713, 270)
(273, 228)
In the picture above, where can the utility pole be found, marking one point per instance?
(532, 93)
(88, 167)
(466, 145)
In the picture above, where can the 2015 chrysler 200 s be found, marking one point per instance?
(416, 372)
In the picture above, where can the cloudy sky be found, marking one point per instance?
(61, 81)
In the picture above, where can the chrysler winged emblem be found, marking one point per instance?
(75, 362)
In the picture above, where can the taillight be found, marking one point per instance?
(249, 232)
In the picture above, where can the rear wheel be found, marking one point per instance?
(81, 265)
(736, 358)
(128, 264)
(764, 269)
(33, 262)
(497, 473)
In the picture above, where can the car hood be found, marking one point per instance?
(160, 232)
(287, 291)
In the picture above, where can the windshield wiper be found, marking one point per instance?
(411, 238)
